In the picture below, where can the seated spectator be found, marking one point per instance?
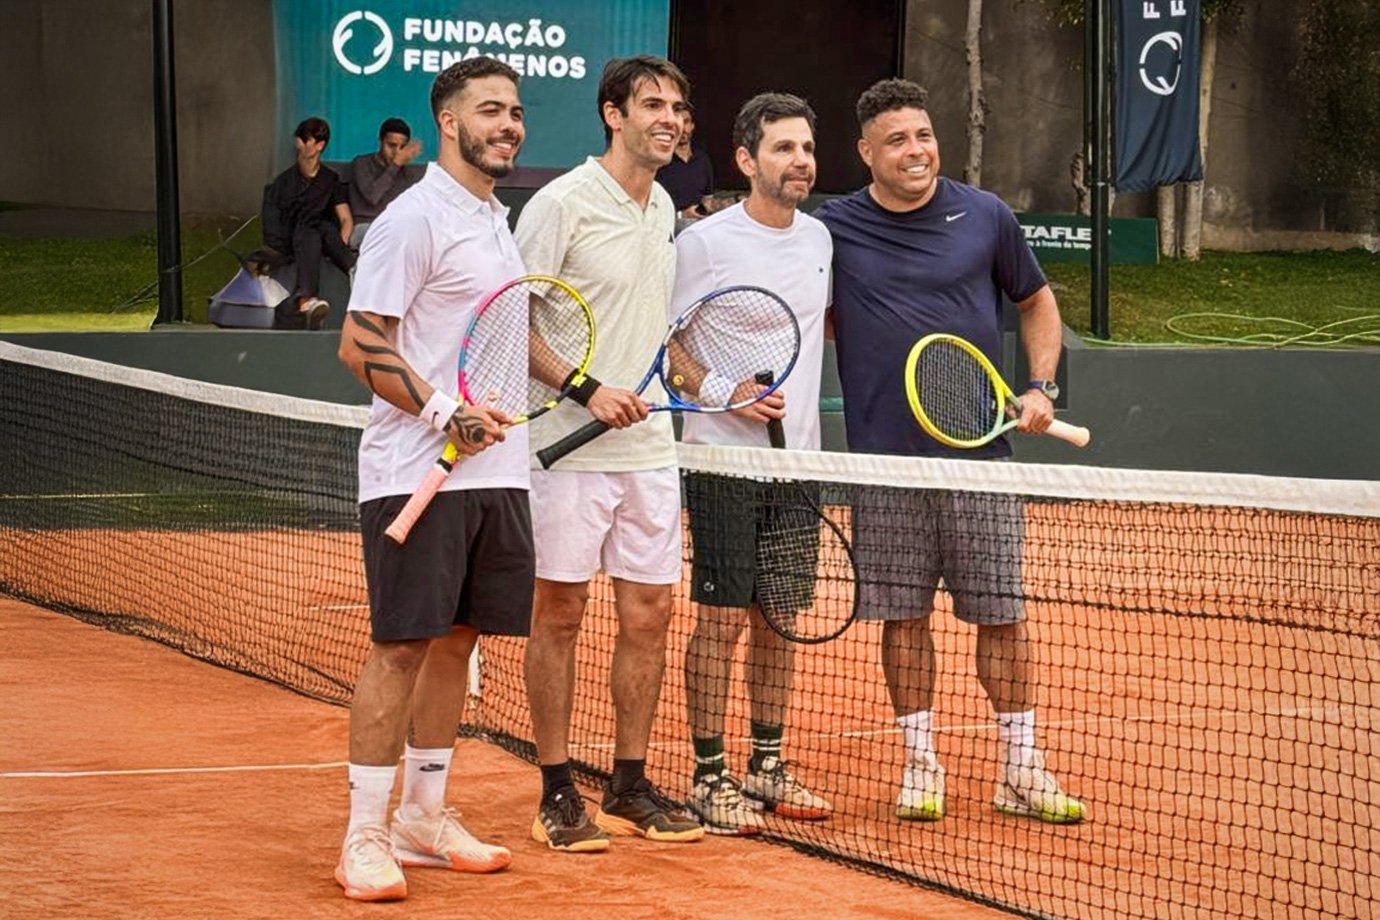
(378, 178)
(306, 216)
(689, 177)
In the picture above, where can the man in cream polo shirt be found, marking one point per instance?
(606, 227)
(467, 566)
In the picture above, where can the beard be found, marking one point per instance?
(777, 191)
(472, 150)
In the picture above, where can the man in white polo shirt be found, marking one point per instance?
(467, 566)
(762, 241)
(606, 227)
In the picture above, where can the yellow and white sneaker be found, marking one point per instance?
(772, 787)
(368, 869)
(441, 841)
(922, 790)
(1031, 791)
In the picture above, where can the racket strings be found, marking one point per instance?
(523, 345)
(714, 357)
(955, 392)
(806, 584)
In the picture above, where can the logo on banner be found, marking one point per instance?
(344, 31)
(1159, 84)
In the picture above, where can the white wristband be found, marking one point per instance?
(438, 410)
(716, 391)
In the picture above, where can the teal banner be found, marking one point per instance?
(355, 63)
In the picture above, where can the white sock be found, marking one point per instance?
(918, 729)
(370, 790)
(1016, 730)
(424, 780)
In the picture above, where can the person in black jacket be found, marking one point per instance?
(306, 217)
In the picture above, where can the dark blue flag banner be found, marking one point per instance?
(357, 62)
(1157, 94)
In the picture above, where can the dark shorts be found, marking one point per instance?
(906, 540)
(741, 530)
(467, 562)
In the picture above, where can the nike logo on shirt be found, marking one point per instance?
(954, 217)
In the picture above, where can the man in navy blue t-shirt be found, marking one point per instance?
(915, 253)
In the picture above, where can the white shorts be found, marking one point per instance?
(627, 524)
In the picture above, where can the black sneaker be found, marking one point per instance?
(645, 811)
(562, 824)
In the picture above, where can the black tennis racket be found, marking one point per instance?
(807, 584)
(709, 358)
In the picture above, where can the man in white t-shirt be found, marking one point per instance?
(614, 504)
(762, 241)
(467, 566)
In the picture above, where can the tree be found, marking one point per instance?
(1176, 237)
(977, 101)
(1340, 69)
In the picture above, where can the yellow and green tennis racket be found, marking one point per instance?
(961, 400)
(535, 328)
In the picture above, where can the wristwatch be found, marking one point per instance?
(1047, 387)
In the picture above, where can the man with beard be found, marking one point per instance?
(916, 253)
(606, 227)
(762, 241)
(467, 567)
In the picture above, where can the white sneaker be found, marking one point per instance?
(1031, 791)
(922, 790)
(719, 803)
(368, 870)
(441, 841)
(773, 787)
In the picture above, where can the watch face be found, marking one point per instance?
(1047, 387)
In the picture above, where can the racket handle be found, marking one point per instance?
(776, 432)
(571, 442)
(1076, 435)
(416, 505)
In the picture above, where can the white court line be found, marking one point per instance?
(1185, 715)
(82, 495)
(247, 768)
(338, 607)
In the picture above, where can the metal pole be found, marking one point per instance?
(165, 166)
(1099, 70)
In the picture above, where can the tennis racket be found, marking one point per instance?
(535, 328)
(961, 400)
(709, 356)
(807, 586)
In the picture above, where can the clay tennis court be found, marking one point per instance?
(173, 789)
(1221, 728)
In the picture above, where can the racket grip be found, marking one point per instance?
(416, 505)
(571, 442)
(776, 432)
(1076, 435)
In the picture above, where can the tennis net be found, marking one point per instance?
(1206, 648)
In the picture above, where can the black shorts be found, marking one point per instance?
(740, 528)
(467, 562)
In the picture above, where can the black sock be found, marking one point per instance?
(555, 777)
(626, 773)
(766, 742)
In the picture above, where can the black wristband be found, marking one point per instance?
(582, 388)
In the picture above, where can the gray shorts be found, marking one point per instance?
(906, 540)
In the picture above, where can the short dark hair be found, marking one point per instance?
(454, 78)
(395, 126)
(888, 96)
(764, 109)
(313, 129)
(620, 79)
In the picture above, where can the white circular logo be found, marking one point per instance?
(1161, 86)
(344, 31)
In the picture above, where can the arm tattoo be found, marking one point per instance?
(384, 351)
(372, 367)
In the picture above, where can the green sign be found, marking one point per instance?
(1068, 238)
(357, 62)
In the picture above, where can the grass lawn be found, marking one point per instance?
(1267, 298)
(107, 284)
(1263, 298)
